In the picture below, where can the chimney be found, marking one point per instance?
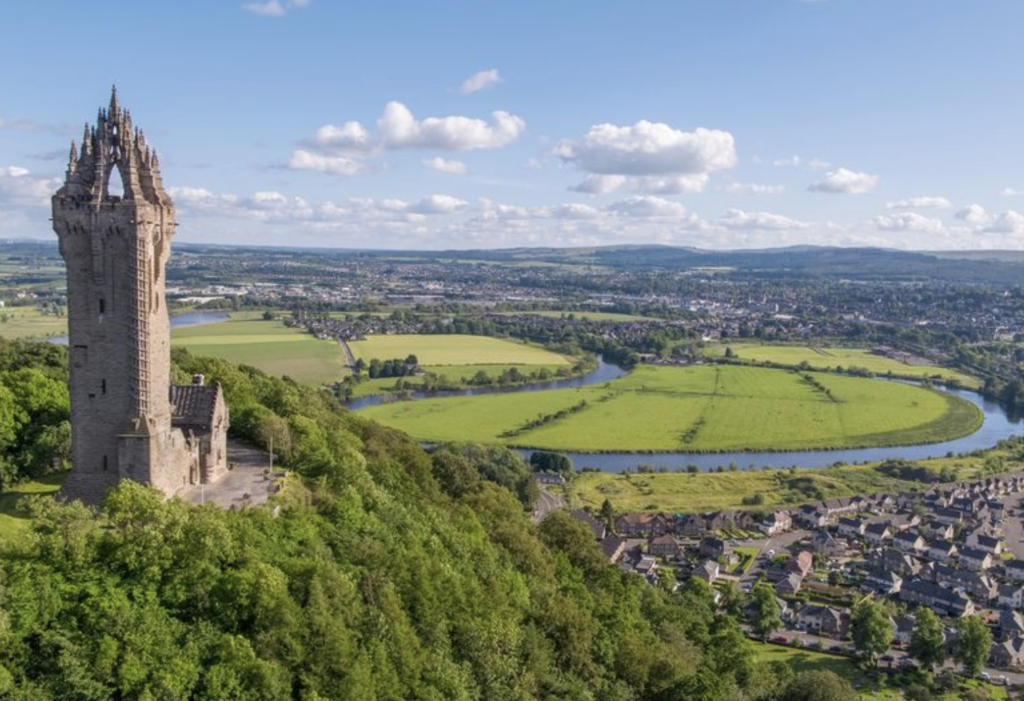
(199, 380)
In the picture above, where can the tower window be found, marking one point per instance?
(102, 306)
(103, 386)
(104, 463)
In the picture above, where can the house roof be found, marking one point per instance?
(193, 406)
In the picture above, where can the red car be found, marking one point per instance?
(779, 639)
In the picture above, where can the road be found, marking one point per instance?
(1013, 528)
(351, 359)
(545, 504)
(778, 543)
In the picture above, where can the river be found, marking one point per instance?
(187, 319)
(997, 426)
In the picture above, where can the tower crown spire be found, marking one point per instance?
(115, 108)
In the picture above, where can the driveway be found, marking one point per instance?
(545, 504)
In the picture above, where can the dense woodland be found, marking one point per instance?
(387, 573)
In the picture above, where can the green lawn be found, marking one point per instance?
(877, 689)
(455, 349)
(822, 358)
(712, 491)
(28, 322)
(13, 519)
(699, 408)
(267, 345)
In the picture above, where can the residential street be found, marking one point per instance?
(1013, 529)
(545, 504)
(778, 543)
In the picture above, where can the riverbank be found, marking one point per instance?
(671, 492)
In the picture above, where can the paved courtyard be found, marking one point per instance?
(246, 484)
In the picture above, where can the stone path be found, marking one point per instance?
(246, 483)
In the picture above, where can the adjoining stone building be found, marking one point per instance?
(127, 421)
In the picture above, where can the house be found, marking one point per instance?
(612, 547)
(893, 560)
(800, 564)
(938, 531)
(909, 542)
(789, 585)
(713, 548)
(852, 527)
(632, 525)
(646, 565)
(811, 516)
(904, 626)
(902, 522)
(823, 620)
(587, 519)
(1011, 596)
(827, 545)
(776, 522)
(988, 543)
(1014, 569)
(663, 546)
(946, 602)
(947, 516)
(1011, 625)
(877, 533)
(1008, 654)
(883, 581)
(977, 585)
(691, 525)
(942, 550)
(548, 478)
(707, 570)
(975, 559)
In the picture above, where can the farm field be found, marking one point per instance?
(451, 373)
(803, 660)
(28, 322)
(703, 408)
(455, 349)
(267, 345)
(713, 491)
(821, 358)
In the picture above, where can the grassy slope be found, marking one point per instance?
(700, 408)
(28, 322)
(828, 358)
(683, 492)
(845, 667)
(13, 520)
(267, 345)
(455, 350)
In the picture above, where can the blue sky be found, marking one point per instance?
(487, 123)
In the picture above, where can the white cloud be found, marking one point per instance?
(18, 186)
(350, 137)
(677, 185)
(845, 182)
(909, 222)
(399, 129)
(818, 164)
(1011, 192)
(649, 148)
(741, 219)
(599, 184)
(647, 206)
(481, 80)
(274, 8)
(788, 162)
(920, 203)
(754, 189)
(973, 214)
(438, 204)
(443, 165)
(1009, 222)
(335, 165)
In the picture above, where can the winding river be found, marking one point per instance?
(996, 426)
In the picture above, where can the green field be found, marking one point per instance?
(822, 358)
(703, 408)
(870, 688)
(13, 519)
(267, 345)
(28, 322)
(456, 374)
(455, 349)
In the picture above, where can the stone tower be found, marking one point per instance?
(115, 242)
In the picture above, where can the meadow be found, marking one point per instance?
(455, 350)
(29, 322)
(704, 408)
(267, 345)
(828, 358)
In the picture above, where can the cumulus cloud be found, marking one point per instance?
(973, 214)
(647, 206)
(480, 81)
(909, 222)
(599, 184)
(650, 149)
(443, 165)
(1011, 192)
(1009, 222)
(274, 8)
(920, 203)
(437, 204)
(738, 219)
(845, 182)
(754, 189)
(793, 161)
(678, 185)
(335, 165)
(20, 187)
(399, 129)
(350, 137)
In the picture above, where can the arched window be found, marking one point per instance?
(115, 186)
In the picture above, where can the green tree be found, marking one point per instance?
(764, 610)
(972, 645)
(871, 629)
(927, 643)
(607, 513)
(819, 686)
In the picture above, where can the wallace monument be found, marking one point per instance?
(127, 420)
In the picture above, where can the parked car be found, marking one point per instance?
(779, 639)
(836, 648)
